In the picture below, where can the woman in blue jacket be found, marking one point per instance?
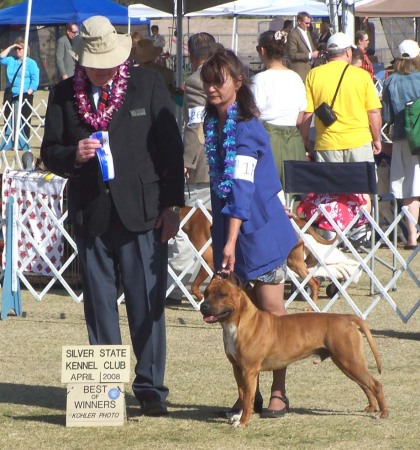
(252, 235)
(13, 63)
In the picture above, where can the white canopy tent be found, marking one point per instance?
(263, 8)
(193, 8)
(140, 11)
(172, 7)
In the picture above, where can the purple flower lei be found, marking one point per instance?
(100, 119)
(221, 172)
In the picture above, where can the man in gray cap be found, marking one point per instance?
(111, 130)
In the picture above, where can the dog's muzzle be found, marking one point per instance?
(209, 317)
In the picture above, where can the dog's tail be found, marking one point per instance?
(302, 222)
(363, 327)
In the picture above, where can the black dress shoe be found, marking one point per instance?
(153, 408)
(276, 413)
(258, 405)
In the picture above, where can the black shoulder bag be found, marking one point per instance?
(324, 112)
(7, 96)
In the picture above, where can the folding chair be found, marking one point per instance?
(343, 178)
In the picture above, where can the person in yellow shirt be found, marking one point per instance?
(356, 134)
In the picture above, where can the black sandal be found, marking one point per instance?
(276, 413)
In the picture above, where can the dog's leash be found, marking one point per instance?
(187, 187)
(222, 274)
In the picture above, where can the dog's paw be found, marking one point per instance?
(234, 418)
(239, 424)
(383, 414)
(236, 424)
(371, 409)
(316, 359)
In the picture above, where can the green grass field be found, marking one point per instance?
(326, 407)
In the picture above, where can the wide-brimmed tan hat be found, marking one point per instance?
(146, 52)
(99, 46)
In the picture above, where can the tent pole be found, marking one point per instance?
(236, 36)
(332, 8)
(18, 117)
(235, 33)
(179, 34)
(180, 56)
(348, 21)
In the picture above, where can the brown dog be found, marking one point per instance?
(197, 229)
(299, 254)
(284, 340)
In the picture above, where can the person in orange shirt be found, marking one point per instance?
(362, 42)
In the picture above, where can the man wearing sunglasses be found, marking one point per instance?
(65, 62)
(300, 47)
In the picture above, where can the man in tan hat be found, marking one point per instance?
(146, 55)
(110, 129)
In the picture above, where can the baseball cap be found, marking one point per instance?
(340, 41)
(408, 49)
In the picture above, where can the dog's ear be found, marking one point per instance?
(230, 276)
(233, 278)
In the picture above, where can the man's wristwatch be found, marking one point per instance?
(175, 209)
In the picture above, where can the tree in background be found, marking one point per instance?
(8, 3)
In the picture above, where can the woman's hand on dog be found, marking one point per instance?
(228, 263)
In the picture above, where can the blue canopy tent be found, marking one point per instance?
(58, 12)
(55, 13)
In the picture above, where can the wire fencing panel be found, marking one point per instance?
(66, 271)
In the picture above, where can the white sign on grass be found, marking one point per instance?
(95, 364)
(90, 405)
